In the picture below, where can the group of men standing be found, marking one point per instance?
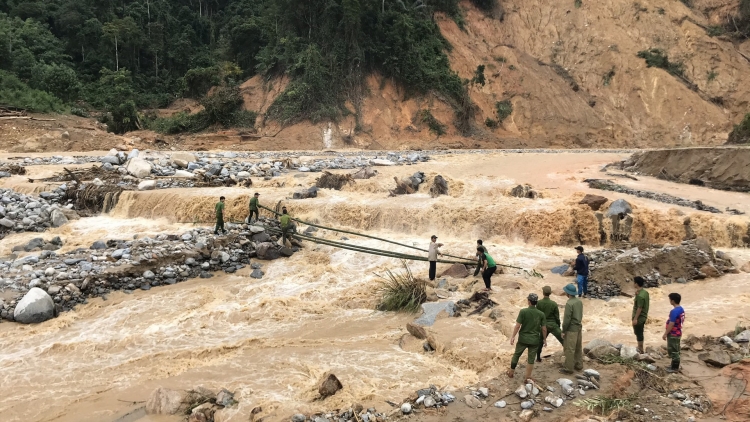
(542, 317)
(254, 206)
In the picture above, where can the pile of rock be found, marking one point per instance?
(355, 413)
(524, 191)
(612, 269)
(724, 350)
(200, 404)
(608, 185)
(23, 213)
(71, 278)
(39, 244)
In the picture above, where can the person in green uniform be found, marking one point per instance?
(489, 267)
(640, 311)
(552, 319)
(253, 208)
(529, 327)
(219, 216)
(571, 331)
(286, 224)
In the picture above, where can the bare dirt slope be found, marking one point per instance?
(719, 168)
(573, 77)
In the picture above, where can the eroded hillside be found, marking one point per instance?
(572, 75)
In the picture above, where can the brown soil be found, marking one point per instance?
(719, 168)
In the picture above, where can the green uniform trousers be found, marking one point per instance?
(520, 347)
(219, 224)
(638, 330)
(573, 349)
(673, 349)
(551, 329)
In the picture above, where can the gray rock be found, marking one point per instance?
(190, 261)
(716, 358)
(628, 352)
(603, 351)
(187, 236)
(501, 404)
(743, 337)
(261, 237)
(7, 223)
(406, 408)
(258, 274)
(118, 253)
(596, 343)
(58, 218)
(429, 402)
(225, 398)
(36, 243)
(36, 306)
(528, 404)
(619, 206)
(98, 245)
(110, 159)
(299, 418)
(139, 168)
(430, 311)
(149, 275)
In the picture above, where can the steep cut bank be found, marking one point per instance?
(718, 168)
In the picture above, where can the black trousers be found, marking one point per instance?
(249, 219)
(433, 270)
(487, 276)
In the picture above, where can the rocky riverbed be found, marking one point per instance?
(71, 278)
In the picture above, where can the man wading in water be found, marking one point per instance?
(432, 256)
(488, 269)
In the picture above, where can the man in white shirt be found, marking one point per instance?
(432, 256)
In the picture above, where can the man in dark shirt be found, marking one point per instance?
(480, 259)
(582, 272)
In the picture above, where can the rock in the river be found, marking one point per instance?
(406, 408)
(416, 330)
(299, 417)
(267, 251)
(329, 385)
(746, 267)
(57, 218)
(717, 358)
(147, 185)
(456, 271)
(742, 337)
(593, 201)
(164, 401)
(182, 159)
(472, 402)
(138, 167)
(305, 194)
(710, 271)
(99, 245)
(619, 206)
(258, 274)
(225, 398)
(36, 306)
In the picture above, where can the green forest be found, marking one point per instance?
(114, 58)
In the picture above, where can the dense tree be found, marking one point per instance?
(150, 52)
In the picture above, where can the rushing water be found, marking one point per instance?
(271, 339)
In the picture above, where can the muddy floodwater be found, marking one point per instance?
(270, 340)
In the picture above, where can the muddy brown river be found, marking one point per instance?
(270, 340)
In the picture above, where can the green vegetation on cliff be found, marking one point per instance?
(122, 56)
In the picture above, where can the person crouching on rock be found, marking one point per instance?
(488, 267)
(529, 327)
(219, 208)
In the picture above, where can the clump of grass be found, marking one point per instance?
(425, 116)
(500, 59)
(711, 76)
(603, 404)
(578, 3)
(490, 123)
(401, 291)
(715, 30)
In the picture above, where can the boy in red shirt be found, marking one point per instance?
(673, 333)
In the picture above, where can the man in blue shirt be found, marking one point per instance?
(581, 268)
(673, 333)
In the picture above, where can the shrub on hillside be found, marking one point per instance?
(658, 58)
(741, 132)
(15, 93)
(504, 109)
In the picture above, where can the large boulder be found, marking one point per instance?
(593, 344)
(138, 167)
(36, 306)
(717, 358)
(601, 352)
(628, 352)
(618, 207)
(456, 271)
(329, 385)
(743, 337)
(267, 251)
(710, 271)
(182, 159)
(57, 218)
(110, 159)
(416, 330)
(593, 201)
(305, 194)
(147, 185)
(166, 402)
